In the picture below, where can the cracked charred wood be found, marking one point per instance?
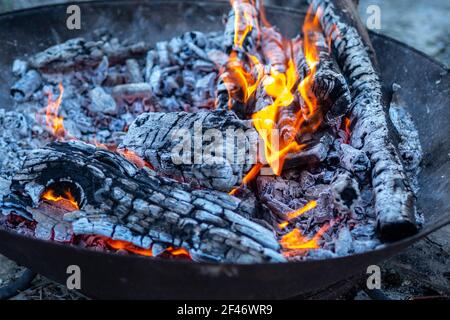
(327, 85)
(122, 202)
(394, 200)
(26, 86)
(315, 153)
(242, 17)
(199, 148)
(273, 49)
(79, 53)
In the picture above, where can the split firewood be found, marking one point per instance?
(115, 199)
(79, 53)
(212, 149)
(394, 200)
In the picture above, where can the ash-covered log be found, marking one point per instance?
(394, 200)
(122, 202)
(79, 53)
(212, 149)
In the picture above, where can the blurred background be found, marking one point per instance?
(423, 24)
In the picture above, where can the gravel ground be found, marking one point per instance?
(422, 270)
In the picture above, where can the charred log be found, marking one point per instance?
(195, 147)
(394, 200)
(79, 53)
(122, 202)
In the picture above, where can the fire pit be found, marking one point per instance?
(92, 186)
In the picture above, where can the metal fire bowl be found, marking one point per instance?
(426, 89)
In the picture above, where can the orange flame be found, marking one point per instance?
(294, 240)
(309, 206)
(178, 252)
(240, 81)
(279, 86)
(243, 21)
(127, 246)
(53, 121)
(66, 199)
(310, 28)
(134, 158)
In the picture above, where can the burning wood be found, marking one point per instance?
(328, 172)
(394, 200)
(119, 201)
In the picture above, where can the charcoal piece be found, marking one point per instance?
(101, 102)
(114, 195)
(14, 124)
(101, 72)
(354, 160)
(132, 91)
(24, 88)
(19, 67)
(134, 71)
(344, 242)
(345, 190)
(170, 143)
(394, 199)
(316, 151)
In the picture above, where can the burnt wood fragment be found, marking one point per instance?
(122, 202)
(79, 53)
(394, 200)
(24, 88)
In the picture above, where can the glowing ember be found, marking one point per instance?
(310, 28)
(65, 199)
(294, 240)
(133, 157)
(178, 252)
(292, 215)
(309, 206)
(127, 246)
(348, 133)
(54, 122)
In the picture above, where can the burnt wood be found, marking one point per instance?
(195, 147)
(394, 200)
(120, 201)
